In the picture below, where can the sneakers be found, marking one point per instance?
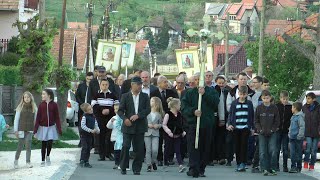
(149, 168)
(311, 167)
(255, 170)
(29, 165)
(222, 162)
(265, 173)
(16, 166)
(241, 168)
(127, 169)
(87, 165)
(43, 163)
(48, 161)
(154, 166)
(181, 169)
(305, 165)
(82, 163)
(273, 172)
(293, 170)
(115, 167)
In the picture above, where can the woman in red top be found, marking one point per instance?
(47, 124)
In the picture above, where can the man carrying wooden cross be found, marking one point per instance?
(199, 157)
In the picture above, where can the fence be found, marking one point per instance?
(3, 45)
(9, 99)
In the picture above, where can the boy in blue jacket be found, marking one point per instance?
(296, 136)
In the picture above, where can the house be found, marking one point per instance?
(155, 25)
(243, 17)
(278, 27)
(83, 25)
(74, 48)
(237, 58)
(13, 10)
(142, 46)
(239, 15)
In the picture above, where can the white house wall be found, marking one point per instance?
(25, 15)
(7, 18)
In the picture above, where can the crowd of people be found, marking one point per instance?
(152, 120)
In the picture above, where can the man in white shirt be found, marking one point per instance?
(146, 86)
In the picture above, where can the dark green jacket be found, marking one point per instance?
(126, 110)
(209, 106)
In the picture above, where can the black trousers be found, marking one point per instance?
(138, 148)
(160, 148)
(105, 145)
(220, 143)
(86, 144)
(256, 158)
(229, 146)
(241, 140)
(199, 158)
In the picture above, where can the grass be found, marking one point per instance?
(11, 144)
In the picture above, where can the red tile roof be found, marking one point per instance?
(82, 25)
(287, 3)
(276, 27)
(258, 3)
(141, 45)
(9, 4)
(238, 9)
(81, 45)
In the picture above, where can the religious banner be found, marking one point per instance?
(108, 55)
(128, 53)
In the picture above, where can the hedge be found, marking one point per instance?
(10, 75)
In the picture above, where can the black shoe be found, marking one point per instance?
(110, 157)
(171, 163)
(123, 171)
(222, 162)
(255, 170)
(166, 163)
(154, 166)
(82, 163)
(293, 170)
(228, 163)
(101, 159)
(211, 164)
(136, 173)
(87, 165)
(149, 168)
(189, 173)
(202, 175)
(96, 152)
(285, 169)
(115, 167)
(79, 145)
(160, 163)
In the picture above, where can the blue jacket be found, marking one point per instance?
(232, 114)
(297, 126)
(2, 126)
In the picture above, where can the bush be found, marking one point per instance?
(10, 75)
(9, 59)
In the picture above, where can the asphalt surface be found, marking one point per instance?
(103, 170)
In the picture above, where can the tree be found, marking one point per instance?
(282, 66)
(152, 43)
(311, 54)
(34, 45)
(163, 42)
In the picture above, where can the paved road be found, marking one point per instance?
(104, 170)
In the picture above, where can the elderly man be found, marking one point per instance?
(209, 79)
(134, 109)
(146, 86)
(118, 86)
(181, 85)
(163, 93)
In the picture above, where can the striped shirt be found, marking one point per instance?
(101, 101)
(241, 114)
(86, 128)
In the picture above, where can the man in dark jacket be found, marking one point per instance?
(199, 158)
(285, 114)
(82, 96)
(163, 93)
(312, 131)
(134, 109)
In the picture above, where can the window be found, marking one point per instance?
(232, 17)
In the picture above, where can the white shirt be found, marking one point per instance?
(146, 89)
(136, 102)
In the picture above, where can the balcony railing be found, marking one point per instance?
(31, 4)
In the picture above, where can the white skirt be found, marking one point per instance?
(47, 133)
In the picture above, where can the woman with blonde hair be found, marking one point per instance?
(26, 113)
(151, 137)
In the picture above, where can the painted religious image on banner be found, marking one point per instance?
(187, 61)
(126, 50)
(108, 53)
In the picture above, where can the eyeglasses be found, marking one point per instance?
(208, 75)
(180, 82)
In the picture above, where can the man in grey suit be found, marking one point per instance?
(134, 109)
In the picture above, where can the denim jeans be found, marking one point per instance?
(296, 153)
(283, 146)
(312, 148)
(268, 151)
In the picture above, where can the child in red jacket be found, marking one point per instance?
(47, 124)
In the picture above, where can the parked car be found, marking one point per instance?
(303, 101)
(72, 107)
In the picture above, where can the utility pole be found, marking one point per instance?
(90, 14)
(226, 68)
(42, 10)
(262, 22)
(248, 28)
(106, 24)
(62, 31)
